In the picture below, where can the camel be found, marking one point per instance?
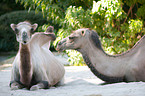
(35, 67)
(126, 67)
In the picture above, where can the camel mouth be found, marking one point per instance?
(59, 49)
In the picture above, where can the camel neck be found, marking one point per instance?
(24, 47)
(25, 65)
(100, 64)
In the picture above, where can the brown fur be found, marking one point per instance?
(25, 65)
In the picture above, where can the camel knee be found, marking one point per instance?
(15, 85)
(40, 85)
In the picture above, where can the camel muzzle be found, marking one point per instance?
(24, 37)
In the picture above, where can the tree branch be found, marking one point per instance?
(130, 10)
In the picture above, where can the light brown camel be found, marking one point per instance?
(125, 67)
(35, 67)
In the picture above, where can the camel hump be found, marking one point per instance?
(50, 29)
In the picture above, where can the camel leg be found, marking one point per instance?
(40, 85)
(41, 78)
(15, 85)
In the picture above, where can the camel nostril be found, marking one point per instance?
(25, 42)
(71, 37)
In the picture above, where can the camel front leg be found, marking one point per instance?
(40, 85)
(16, 85)
(41, 79)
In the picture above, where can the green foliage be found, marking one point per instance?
(9, 5)
(55, 9)
(137, 8)
(118, 30)
(75, 58)
(8, 38)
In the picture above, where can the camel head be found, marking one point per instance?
(75, 41)
(23, 31)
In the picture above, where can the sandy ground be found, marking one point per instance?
(79, 81)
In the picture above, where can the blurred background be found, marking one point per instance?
(119, 23)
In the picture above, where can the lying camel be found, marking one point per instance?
(35, 67)
(125, 67)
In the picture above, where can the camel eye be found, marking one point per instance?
(32, 30)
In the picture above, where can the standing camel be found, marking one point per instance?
(125, 67)
(34, 67)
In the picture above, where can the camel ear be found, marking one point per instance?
(83, 33)
(13, 26)
(34, 26)
(50, 29)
